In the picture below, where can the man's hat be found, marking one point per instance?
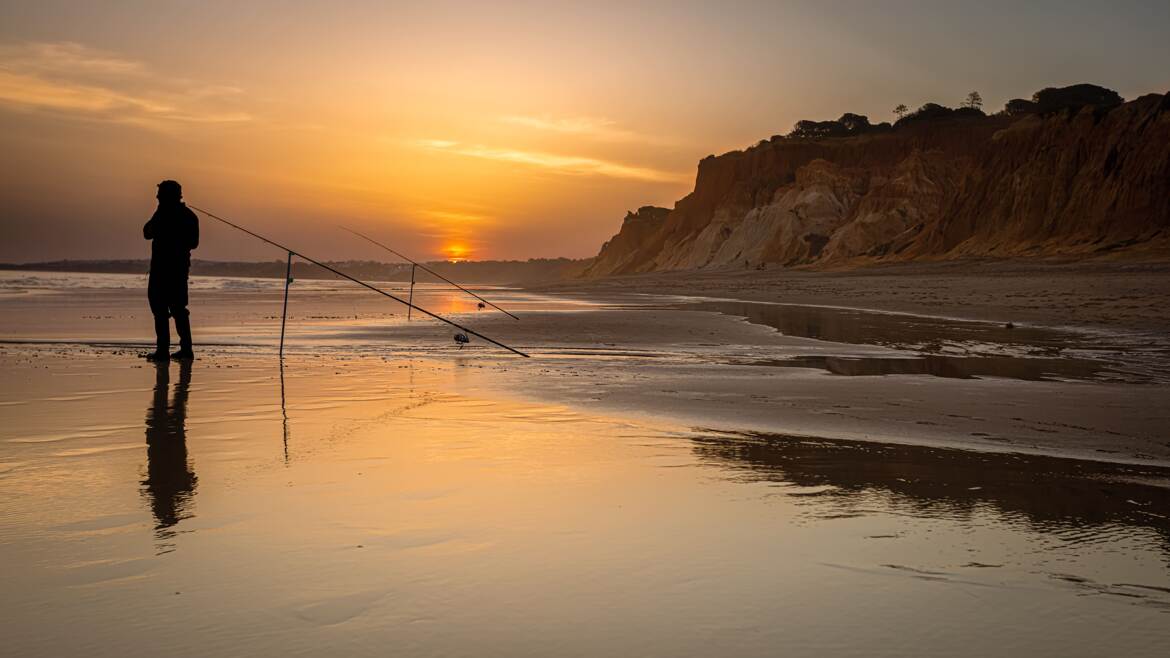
(171, 187)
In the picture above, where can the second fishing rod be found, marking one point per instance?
(293, 252)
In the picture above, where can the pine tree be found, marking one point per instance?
(974, 101)
(901, 110)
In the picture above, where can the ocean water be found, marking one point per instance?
(14, 282)
(81, 308)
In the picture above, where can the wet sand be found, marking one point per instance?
(663, 477)
(390, 504)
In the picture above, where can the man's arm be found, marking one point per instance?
(193, 237)
(148, 229)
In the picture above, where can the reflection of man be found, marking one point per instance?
(169, 482)
(173, 231)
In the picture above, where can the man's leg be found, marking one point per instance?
(156, 295)
(178, 310)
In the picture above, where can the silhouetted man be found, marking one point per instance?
(174, 232)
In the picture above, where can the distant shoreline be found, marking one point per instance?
(534, 270)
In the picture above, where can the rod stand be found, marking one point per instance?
(284, 311)
(410, 300)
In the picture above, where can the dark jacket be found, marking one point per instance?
(174, 230)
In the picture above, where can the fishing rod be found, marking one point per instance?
(293, 252)
(424, 267)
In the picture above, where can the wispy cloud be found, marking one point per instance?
(455, 216)
(565, 164)
(452, 226)
(70, 79)
(437, 143)
(590, 127)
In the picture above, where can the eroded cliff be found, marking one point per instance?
(1033, 180)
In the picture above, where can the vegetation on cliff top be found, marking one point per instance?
(1046, 101)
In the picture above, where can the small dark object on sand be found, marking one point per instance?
(462, 339)
(1009, 326)
(481, 306)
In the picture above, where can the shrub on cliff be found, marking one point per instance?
(818, 129)
(849, 124)
(1055, 99)
(934, 112)
(1018, 106)
(854, 122)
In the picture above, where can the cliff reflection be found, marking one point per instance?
(858, 327)
(980, 349)
(1049, 494)
(953, 367)
(170, 482)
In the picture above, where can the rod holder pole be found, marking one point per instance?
(284, 311)
(410, 300)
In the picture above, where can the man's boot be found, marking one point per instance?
(162, 337)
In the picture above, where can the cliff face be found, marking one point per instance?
(1075, 181)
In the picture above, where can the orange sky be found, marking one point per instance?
(495, 130)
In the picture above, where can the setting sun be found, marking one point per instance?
(456, 252)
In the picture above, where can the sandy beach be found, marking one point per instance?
(634, 474)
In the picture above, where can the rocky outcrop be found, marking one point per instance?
(1084, 176)
(617, 254)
